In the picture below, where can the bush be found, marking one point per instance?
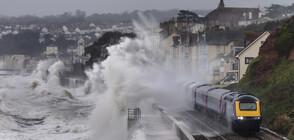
(285, 41)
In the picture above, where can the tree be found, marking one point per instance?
(275, 10)
(26, 42)
(98, 50)
(48, 39)
(81, 14)
(62, 43)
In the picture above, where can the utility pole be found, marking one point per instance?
(72, 60)
(205, 57)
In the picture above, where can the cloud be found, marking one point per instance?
(45, 7)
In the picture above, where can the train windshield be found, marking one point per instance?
(248, 106)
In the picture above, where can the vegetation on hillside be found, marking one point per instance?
(27, 42)
(98, 50)
(268, 26)
(271, 78)
(80, 17)
(285, 41)
(276, 94)
(276, 10)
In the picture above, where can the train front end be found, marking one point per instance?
(247, 114)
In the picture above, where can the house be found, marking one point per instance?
(34, 27)
(81, 47)
(92, 25)
(45, 30)
(154, 37)
(249, 53)
(16, 61)
(51, 50)
(231, 17)
(217, 56)
(179, 55)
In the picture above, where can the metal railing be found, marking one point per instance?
(134, 114)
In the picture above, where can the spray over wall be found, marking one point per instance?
(1, 65)
(134, 75)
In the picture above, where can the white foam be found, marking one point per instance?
(134, 75)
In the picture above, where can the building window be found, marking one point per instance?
(216, 71)
(234, 66)
(222, 63)
(248, 59)
(250, 15)
(259, 15)
(218, 49)
(262, 42)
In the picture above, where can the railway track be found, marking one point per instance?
(204, 131)
(203, 127)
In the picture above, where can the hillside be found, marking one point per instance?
(80, 17)
(270, 77)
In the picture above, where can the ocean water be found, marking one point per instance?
(134, 75)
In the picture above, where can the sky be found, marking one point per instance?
(54, 7)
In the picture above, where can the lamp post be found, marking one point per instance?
(205, 57)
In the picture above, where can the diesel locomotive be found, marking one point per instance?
(241, 111)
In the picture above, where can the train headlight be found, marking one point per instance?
(240, 118)
(257, 118)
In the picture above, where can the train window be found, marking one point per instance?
(248, 106)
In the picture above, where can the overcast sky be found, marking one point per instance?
(53, 7)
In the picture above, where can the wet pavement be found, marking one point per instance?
(155, 128)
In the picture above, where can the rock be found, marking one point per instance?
(66, 93)
(35, 84)
(281, 122)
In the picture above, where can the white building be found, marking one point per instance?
(14, 61)
(81, 47)
(45, 30)
(249, 53)
(51, 50)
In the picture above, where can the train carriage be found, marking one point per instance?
(201, 95)
(216, 101)
(242, 111)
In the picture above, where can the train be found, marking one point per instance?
(242, 112)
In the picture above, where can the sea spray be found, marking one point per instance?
(2, 65)
(41, 72)
(139, 135)
(55, 71)
(134, 75)
(38, 107)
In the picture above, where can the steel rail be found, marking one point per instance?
(203, 124)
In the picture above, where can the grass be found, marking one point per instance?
(276, 94)
(285, 41)
(272, 81)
